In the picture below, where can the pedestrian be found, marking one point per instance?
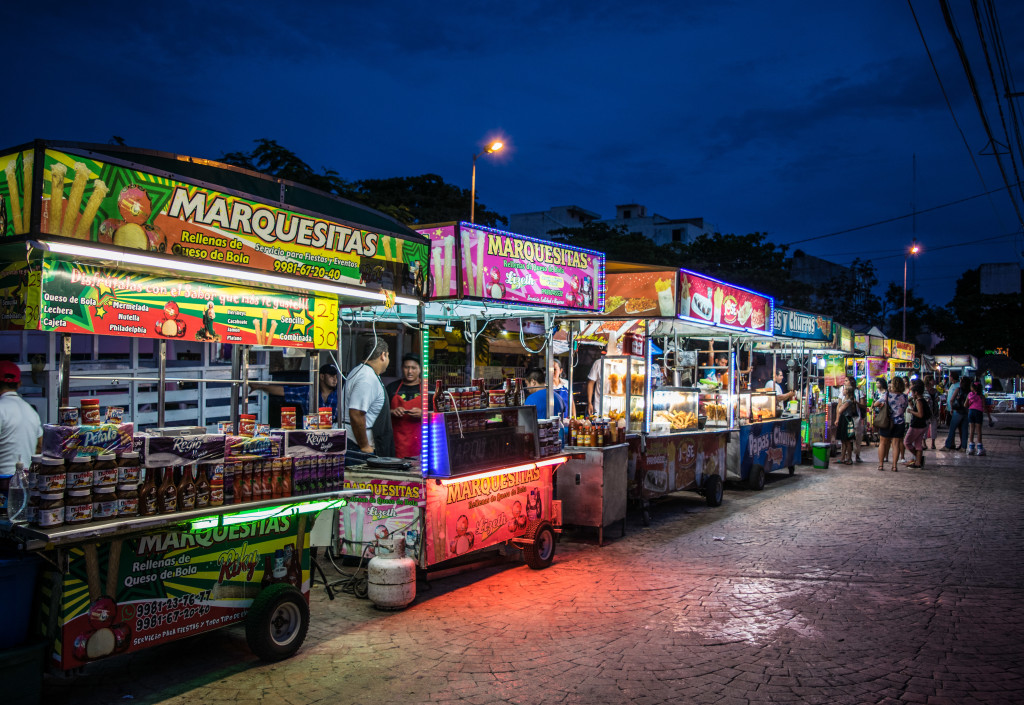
(884, 432)
(860, 419)
(367, 415)
(920, 412)
(956, 403)
(20, 429)
(976, 417)
(931, 396)
(846, 425)
(898, 403)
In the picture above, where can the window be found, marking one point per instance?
(627, 214)
(677, 235)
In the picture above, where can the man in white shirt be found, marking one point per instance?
(368, 429)
(781, 396)
(594, 385)
(19, 423)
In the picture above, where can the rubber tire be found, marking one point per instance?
(275, 603)
(541, 552)
(756, 479)
(713, 491)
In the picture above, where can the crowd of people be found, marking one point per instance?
(906, 416)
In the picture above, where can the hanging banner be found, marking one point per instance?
(16, 285)
(92, 200)
(835, 370)
(711, 302)
(804, 326)
(78, 298)
(646, 294)
(475, 262)
(16, 193)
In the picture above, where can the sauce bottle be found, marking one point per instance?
(202, 489)
(167, 493)
(148, 504)
(186, 490)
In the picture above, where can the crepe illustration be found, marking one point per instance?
(744, 312)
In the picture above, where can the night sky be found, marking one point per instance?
(797, 119)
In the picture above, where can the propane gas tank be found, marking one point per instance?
(391, 578)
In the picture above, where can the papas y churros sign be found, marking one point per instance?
(474, 262)
(88, 199)
(78, 298)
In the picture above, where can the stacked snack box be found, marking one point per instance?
(548, 435)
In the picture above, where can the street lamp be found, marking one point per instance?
(914, 249)
(491, 149)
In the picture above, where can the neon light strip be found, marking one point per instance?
(147, 261)
(266, 513)
(424, 405)
(489, 473)
(551, 461)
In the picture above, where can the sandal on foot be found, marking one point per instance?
(916, 467)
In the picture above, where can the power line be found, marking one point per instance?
(958, 42)
(902, 217)
(949, 105)
(972, 243)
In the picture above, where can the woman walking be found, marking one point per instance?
(898, 403)
(884, 432)
(920, 412)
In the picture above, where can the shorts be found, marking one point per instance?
(975, 416)
(915, 439)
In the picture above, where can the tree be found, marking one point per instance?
(849, 298)
(617, 243)
(749, 260)
(408, 199)
(973, 322)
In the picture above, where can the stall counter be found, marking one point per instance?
(592, 487)
(761, 447)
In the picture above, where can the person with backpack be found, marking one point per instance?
(920, 412)
(956, 401)
(846, 425)
(976, 416)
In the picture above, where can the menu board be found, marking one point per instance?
(643, 294)
(901, 351)
(845, 339)
(804, 326)
(88, 199)
(15, 282)
(474, 262)
(78, 298)
(876, 346)
(835, 370)
(711, 302)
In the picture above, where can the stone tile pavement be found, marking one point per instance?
(844, 585)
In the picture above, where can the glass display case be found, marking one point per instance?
(480, 439)
(674, 409)
(622, 390)
(715, 406)
(756, 406)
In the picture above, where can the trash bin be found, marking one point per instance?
(820, 452)
(17, 583)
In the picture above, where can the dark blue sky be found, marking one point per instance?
(795, 118)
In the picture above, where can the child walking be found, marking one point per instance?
(976, 417)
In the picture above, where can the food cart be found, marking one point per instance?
(485, 477)
(682, 425)
(119, 242)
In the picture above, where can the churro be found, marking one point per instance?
(273, 330)
(57, 173)
(99, 192)
(75, 199)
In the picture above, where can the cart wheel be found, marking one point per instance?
(756, 479)
(541, 552)
(277, 622)
(792, 469)
(713, 490)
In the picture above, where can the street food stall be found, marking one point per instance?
(148, 536)
(682, 423)
(485, 477)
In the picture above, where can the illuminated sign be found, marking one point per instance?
(711, 302)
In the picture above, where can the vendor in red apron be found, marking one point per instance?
(367, 417)
(405, 396)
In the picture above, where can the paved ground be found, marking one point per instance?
(845, 585)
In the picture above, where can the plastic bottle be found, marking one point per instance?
(17, 495)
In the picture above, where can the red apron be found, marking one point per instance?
(407, 428)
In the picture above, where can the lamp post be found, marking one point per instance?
(914, 249)
(491, 149)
